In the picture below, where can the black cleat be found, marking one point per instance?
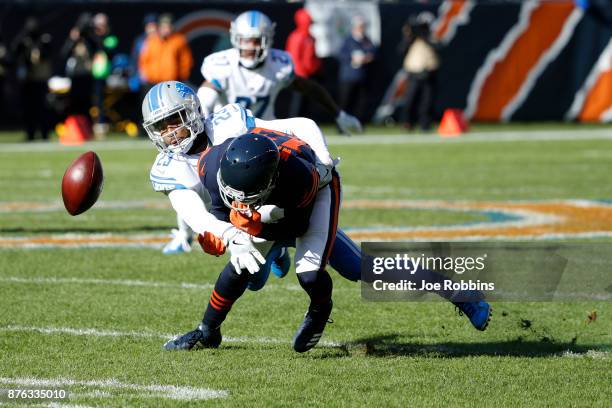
(309, 333)
(202, 337)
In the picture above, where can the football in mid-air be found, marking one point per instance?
(82, 183)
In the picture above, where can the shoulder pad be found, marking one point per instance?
(230, 121)
(169, 174)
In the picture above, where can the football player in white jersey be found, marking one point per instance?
(252, 73)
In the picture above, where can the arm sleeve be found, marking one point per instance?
(304, 129)
(190, 207)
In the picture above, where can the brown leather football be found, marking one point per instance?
(82, 183)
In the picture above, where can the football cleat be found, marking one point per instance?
(311, 330)
(281, 265)
(202, 337)
(180, 243)
(479, 313)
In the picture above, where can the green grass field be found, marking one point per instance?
(93, 319)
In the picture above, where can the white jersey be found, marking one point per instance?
(177, 172)
(254, 89)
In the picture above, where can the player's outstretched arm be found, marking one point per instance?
(304, 129)
(347, 123)
(190, 207)
(208, 96)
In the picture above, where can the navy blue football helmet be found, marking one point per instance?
(247, 173)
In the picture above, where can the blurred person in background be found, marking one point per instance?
(77, 56)
(137, 81)
(137, 78)
(301, 46)
(165, 55)
(355, 59)
(4, 66)
(32, 55)
(106, 45)
(421, 63)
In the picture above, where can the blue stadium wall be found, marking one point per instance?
(560, 79)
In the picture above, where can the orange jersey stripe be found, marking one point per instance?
(599, 98)
(507, 77)
(201, 163)
(314, 189)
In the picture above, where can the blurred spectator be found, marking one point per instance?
(165, 55)
(421, 62)
(32, 52)
(356, 57)
(149, 27)
(3, 71)
(301, 46)
(77, 54)
(101, 68)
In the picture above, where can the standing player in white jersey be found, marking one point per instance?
(252, 74)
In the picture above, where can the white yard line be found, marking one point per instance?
(92, 332)
(119, 282)
(53, 280)
(149, 391)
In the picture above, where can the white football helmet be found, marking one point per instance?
(174, 104)
(252, 25)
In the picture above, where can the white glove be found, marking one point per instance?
(243, 254)
(348, 123)
(270, 213)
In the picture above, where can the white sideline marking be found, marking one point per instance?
(112, 333)
(370, 139)
(120, 282)
(594, 354)
(131, 282)
(184, 393)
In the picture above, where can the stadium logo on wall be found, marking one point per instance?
(208, 22)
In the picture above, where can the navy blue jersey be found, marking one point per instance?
(295, 189)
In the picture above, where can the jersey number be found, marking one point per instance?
(260, 101)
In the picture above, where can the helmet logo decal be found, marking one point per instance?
(183, 89)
